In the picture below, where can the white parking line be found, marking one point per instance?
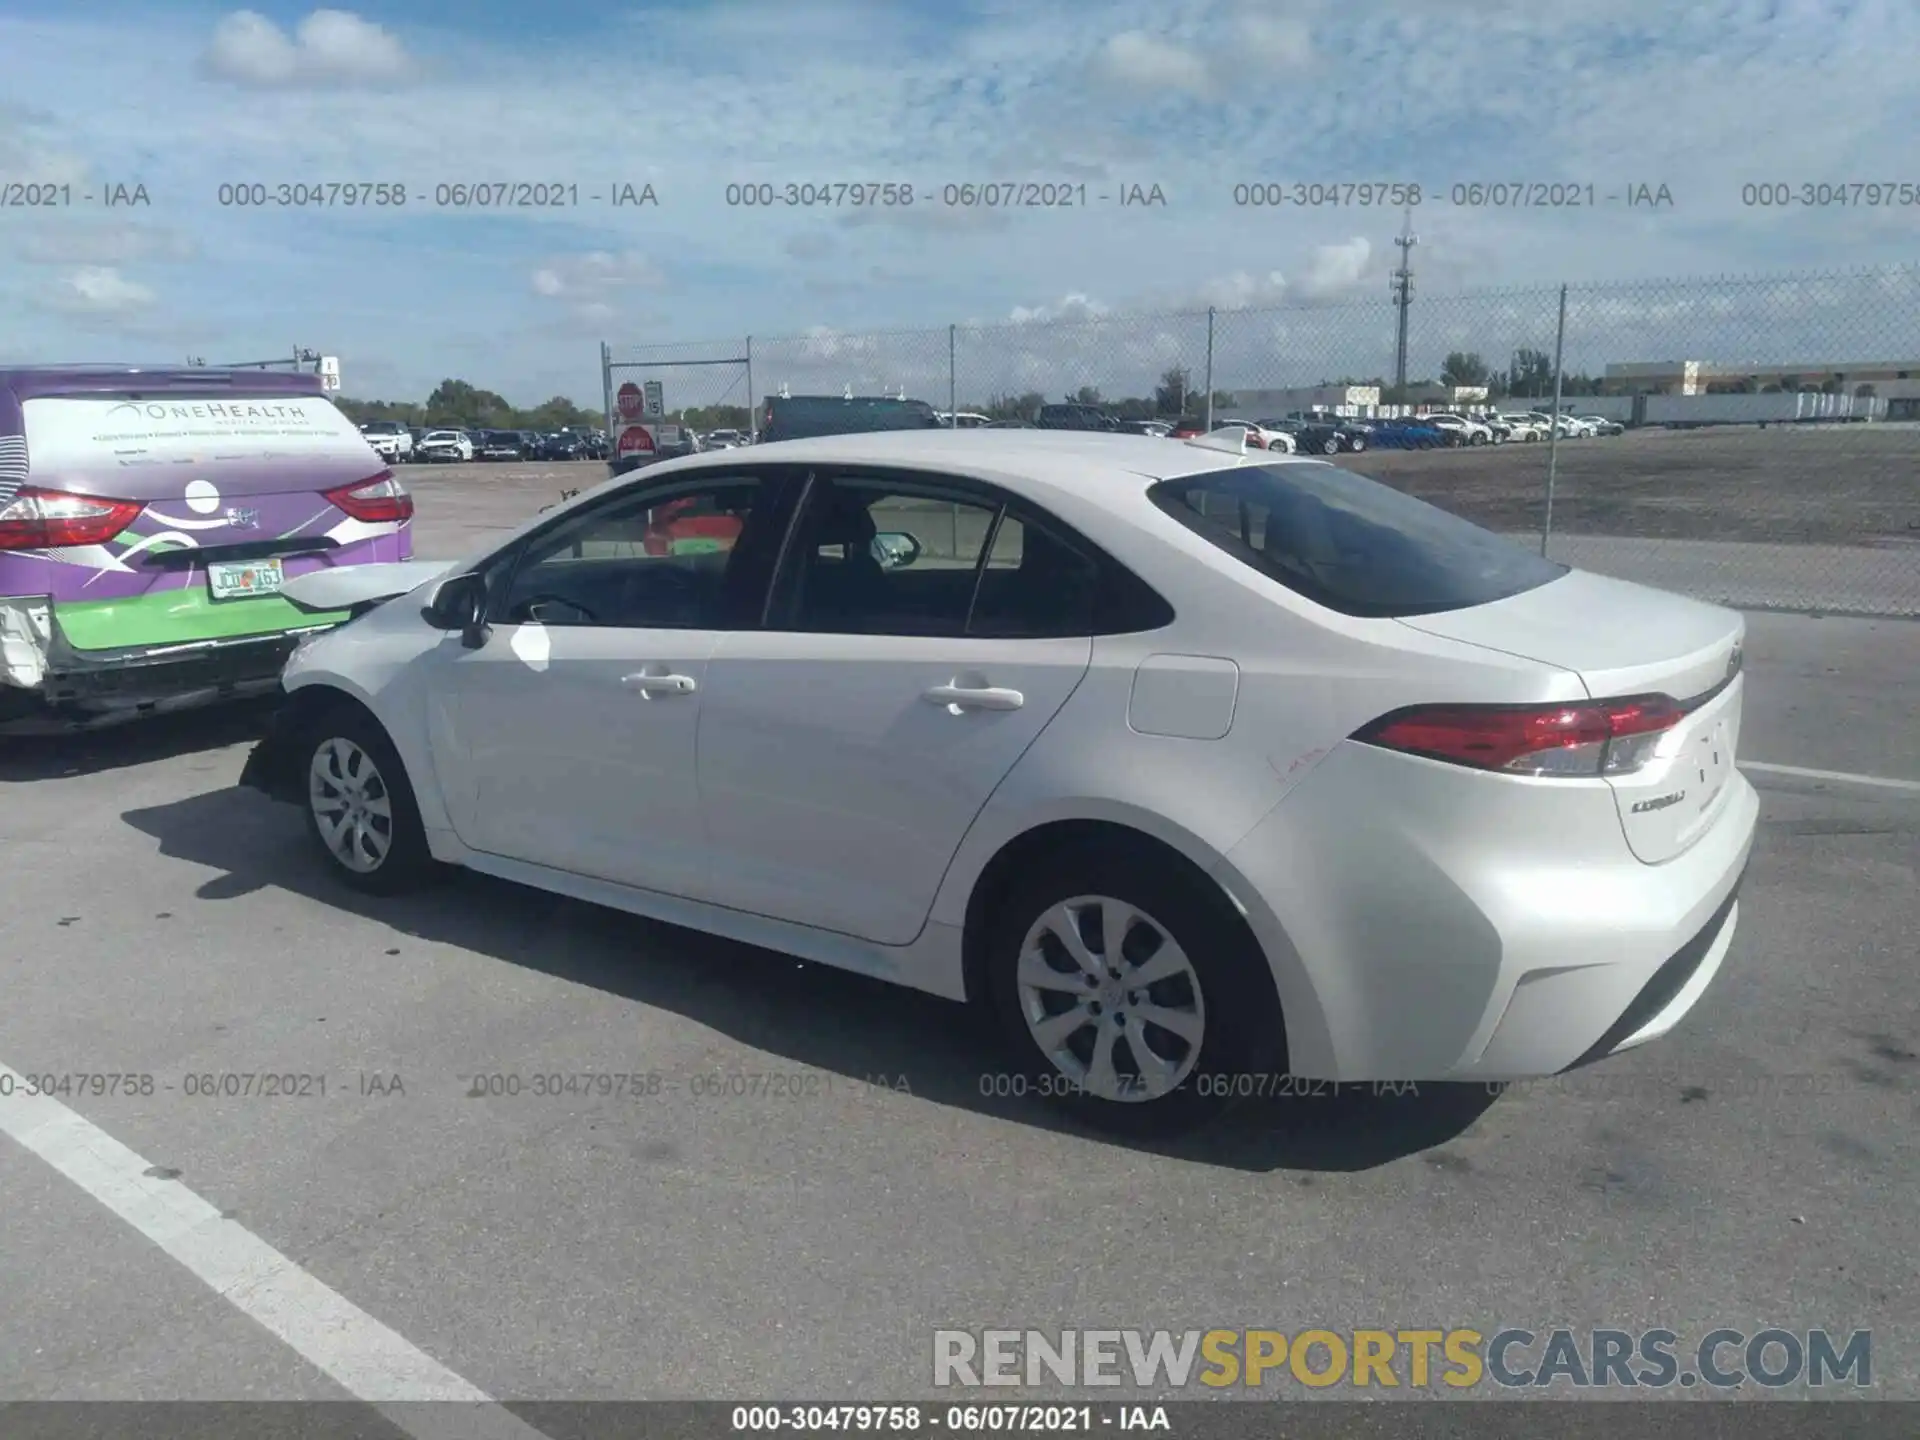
(1844, 777)
(355, 1350)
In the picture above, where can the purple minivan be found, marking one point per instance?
(148, 518)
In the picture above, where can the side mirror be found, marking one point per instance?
(896, 549)
(460, 604)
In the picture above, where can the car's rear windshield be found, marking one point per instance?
(1349, 543)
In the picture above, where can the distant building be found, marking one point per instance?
(1446, 394)
(1340, 399)
(1887, 379)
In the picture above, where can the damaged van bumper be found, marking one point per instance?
(47, 685)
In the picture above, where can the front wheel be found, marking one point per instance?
(1330, 446)
(360, 806)
(1357, 444)
(1131, 992)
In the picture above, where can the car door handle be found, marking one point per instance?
(658, 684)
(986, 697)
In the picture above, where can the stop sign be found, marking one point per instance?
(631, 401)
(636, 440)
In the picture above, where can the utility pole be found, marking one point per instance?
(1402, 286)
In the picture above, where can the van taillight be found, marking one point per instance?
(376, 501)
(1595, 738)
(37, 519)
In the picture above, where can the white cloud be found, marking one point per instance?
(1151, 62)
(1276, 40)
(329, 48)
(99, 290)
(1332, 272)
(596, 273)
(1067, 309)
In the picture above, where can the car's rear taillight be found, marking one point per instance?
(37, 519)
(381, 499)
(1600, 737)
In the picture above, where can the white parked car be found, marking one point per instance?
(1459, 429)
(1563, 425)
(391, 441)
(1525, 427)
(446, 445)
(1258, 436)
(1189, 763)
(722, 440)
(1600, 425)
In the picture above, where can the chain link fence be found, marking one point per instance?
(1768, 445)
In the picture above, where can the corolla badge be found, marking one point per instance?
(243, 519)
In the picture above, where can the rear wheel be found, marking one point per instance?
(1330, 446)
(360, 807)
(1131, 993)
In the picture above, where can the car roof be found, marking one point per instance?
(1072, 464)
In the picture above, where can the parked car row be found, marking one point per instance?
(1306, 432)
(418, 444)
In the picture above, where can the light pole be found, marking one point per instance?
(1402, 288)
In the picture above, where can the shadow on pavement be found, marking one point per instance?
(846, 1024)
(25, 758)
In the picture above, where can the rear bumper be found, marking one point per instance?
(87, 687)
(1427, 922)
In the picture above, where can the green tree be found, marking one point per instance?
(1174, 392)
(1463, 367)
(1530, 374)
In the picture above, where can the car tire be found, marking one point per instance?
(352, 771)
(1330, 445)
(1222, 990)
(1357, 444)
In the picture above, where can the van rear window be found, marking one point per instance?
(1349, 543)
(797, 417)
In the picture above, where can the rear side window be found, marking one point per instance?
(1349, 543)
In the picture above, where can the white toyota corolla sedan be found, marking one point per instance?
(1197, 766)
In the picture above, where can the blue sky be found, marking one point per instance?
(691, 96)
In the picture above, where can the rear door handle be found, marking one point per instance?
(986, 697)
(658, 684)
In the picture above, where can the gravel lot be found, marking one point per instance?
(1830, 484)
(1756, 1168)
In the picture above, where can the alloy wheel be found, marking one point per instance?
(351, 805)
(1111, 999)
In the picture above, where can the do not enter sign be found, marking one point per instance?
(636, 440)
(631, 400)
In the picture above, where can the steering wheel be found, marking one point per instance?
(528, 606)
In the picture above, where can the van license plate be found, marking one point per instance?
(236, 580)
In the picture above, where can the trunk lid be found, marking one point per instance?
(234, 496)
(1623, 639)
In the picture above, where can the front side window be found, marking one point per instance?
(1349, 543)
(672, 557)
(872, 557)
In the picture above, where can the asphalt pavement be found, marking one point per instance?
(808, 1173)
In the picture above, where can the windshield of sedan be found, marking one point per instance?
(1349, 543)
